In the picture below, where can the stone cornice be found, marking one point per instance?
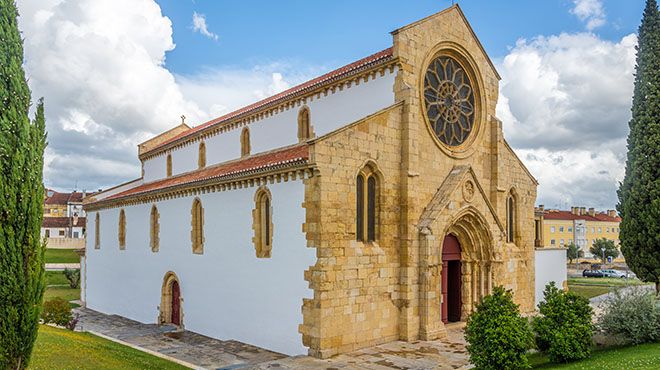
(276, 174)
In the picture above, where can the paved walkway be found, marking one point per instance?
(61, 266)
(212, 353)
(186, 346)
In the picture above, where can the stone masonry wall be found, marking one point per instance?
(354, 283)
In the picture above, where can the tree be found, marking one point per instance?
(639, 193)
(573, 252)
(498, 337)
(22, 144)
(610, 249)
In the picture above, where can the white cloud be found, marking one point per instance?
(199, 25)
(100, 66)
(589, 11)
(568, 97)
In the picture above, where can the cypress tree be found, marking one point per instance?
(22, 144)
(639, 194)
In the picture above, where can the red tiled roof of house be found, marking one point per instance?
(60, 222)
(362, 64)
(568, 215)
(64, 198)
(259, 162)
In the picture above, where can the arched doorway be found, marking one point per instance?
(451, 279)
(170, 303)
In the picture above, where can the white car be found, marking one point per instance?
(614, 273)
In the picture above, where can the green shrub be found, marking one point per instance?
(56, 311)
(498, 337)
(633, 316)
(564, 329)
(73, 275)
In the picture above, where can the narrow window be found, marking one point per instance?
(304, 126)
(97, 231)
(154, 228)
(122, 230)
(201, 157)
(263, 224)
(366, 205)
(245, 142)
(371, 209)
(197, 232)
(359, 191)
(169, 165)
(510, 219)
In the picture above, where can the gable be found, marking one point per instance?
(453, 188)
(454, 18)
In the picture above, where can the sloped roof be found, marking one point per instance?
(371, 61)
(64, 198)
(298, 154)
(568, 216)
(60, 222)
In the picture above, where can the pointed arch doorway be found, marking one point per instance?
(451, 279)
(170, 304)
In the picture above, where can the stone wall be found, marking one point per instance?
(365, 294)
(354, 283)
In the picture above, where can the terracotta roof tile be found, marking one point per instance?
(364, 63)
(259, 162)
(568, 215)
(64, 198)
(60, 222)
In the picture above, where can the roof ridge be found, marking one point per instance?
(315, 82)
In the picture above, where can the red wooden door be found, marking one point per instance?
(451, 279)
(176, 309)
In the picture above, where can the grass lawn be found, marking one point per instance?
(61, 256)
(63, 292)
(588, 291)
(64, 349)
(56, 278)
(642, 357)
(592, 287)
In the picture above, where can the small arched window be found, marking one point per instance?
(154, 229)
(245, 142)
(122, 230)
(169, 165)
(263, 223)
(97, 231)
(304, 125)
(201, 157)
(366, 205)
(197, 232)
(510, 218)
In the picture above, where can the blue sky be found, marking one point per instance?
(333, 33)
(115, 73)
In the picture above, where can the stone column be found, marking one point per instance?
(430, 276)
(466, 289)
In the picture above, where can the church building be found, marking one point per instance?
(377, 202)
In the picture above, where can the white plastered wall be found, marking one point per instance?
(327, 113)
(227, 292)
(550, 266)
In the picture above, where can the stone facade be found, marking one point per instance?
(370, 293)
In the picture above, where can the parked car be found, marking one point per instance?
(592, 273)
(614, 273)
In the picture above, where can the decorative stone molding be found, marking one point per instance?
(262, 223)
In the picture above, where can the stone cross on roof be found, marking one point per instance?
(183, 119)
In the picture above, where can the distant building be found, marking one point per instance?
(63, 215)
(582, 227)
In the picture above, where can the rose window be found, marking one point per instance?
(449, 100)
